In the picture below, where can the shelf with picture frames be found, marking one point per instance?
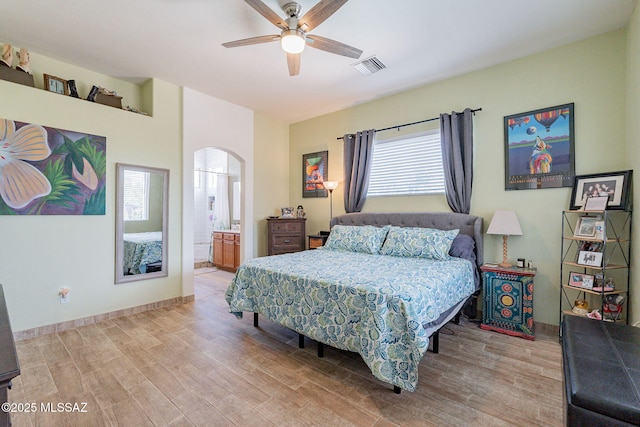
(595, 264)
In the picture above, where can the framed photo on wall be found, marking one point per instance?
(539, 148)
(615, 185)
(314, 174)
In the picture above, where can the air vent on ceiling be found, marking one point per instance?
(369, 66)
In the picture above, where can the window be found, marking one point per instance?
(408, 165)
(136, 195)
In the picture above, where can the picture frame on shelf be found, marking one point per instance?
(533, 141)
(586, 227)
(596, 203)
(599, 224)
(617, 185)
(590, 258)
(581, 280)
(315, 170)
(287, 212)
(56, 84)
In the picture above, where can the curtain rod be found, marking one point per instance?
(414, 123)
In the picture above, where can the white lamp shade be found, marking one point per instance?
(331, 185)
(505, 223)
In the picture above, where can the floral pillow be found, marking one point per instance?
(356, 238)
(419, 242)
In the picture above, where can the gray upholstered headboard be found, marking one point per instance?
(467, 224)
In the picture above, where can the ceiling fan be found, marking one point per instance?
(294, 35)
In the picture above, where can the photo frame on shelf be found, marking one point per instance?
(314, 174)
(616, 185)
(287, 212)
(596, 203)
(586, 227)
(56, 84)
(599, 224)
(533, 141)
(581, 280)
(590, 258)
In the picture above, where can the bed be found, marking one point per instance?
(141, 250)
(382, 285)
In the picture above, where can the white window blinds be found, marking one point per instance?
(136, 196)
(407, 165)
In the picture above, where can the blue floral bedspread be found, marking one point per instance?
(374, 305)
(141, 249)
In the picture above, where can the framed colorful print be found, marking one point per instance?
(616, 185)
(51, 171)
(314, 174)
(539, 148)
(56, 84)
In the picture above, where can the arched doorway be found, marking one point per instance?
(217, 200)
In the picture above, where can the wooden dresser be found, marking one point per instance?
(226, 250)
(286, 235)
(9, 367)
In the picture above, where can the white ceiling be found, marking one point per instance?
(179, 41)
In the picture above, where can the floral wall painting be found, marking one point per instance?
(314, 174)
(539, 148)
(49, 171)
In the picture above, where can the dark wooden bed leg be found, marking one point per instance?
(435, 339)
(255, 320)
(396, 389)
(320, 349)
(456, 319)
(300, 340)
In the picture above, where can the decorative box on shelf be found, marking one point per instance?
(16, 76)
(110, 100)
(508, 300)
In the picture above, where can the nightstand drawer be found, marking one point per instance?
(287, 227)
(280, 240)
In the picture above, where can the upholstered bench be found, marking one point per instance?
(601, 363)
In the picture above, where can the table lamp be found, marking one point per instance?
(505, 223)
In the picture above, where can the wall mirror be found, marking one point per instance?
(142, 216)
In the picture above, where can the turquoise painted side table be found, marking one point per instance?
(508, 300)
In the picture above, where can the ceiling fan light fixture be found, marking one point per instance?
(292, 41)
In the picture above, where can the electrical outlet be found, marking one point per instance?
(64, 295)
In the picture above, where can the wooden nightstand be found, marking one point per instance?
(508, 300)
(286, 235)
(317, 240)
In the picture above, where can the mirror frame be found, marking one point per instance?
(164, 271)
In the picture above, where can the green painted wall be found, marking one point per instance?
(271, 175)
(591, 73)
(41, 254)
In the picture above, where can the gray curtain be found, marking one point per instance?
(358, 150)
(456, 131)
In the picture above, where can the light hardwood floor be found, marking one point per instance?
(196, 364)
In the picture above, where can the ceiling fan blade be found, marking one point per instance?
(319, 13)
(266, 11)
(333, 46)
(293, 61)
(252, 40)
